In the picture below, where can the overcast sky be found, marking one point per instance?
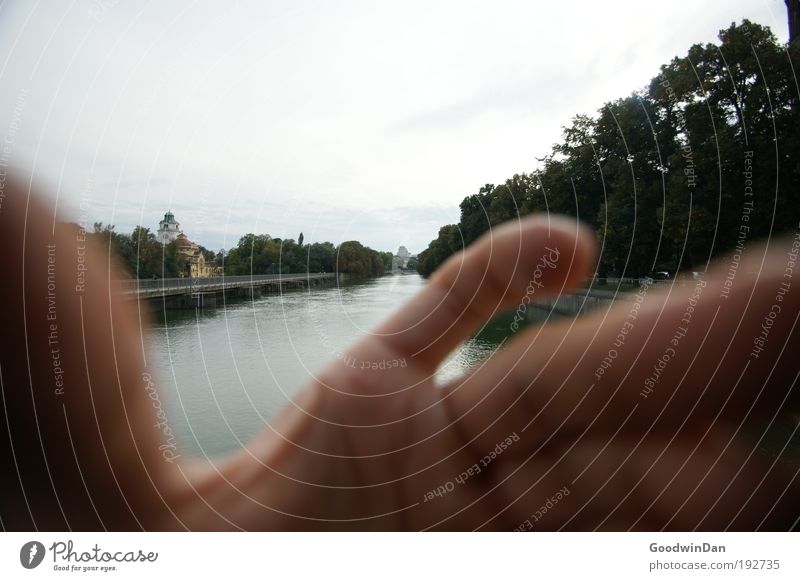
(345, 120)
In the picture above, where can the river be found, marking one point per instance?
(222, 373)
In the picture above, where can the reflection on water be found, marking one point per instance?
(224, 372)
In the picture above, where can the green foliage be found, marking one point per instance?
(116, 244)
(388, 259)
(449, 241)
(139, 253)
(320, 257)
(660, 174)
(260, 254)
(354, 258)
(142, 255)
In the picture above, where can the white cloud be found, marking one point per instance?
(298, 115)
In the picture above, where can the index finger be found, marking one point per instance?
(699, 352)
(538, 255)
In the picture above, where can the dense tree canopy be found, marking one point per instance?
(702, 160)
(260, 254)
(142, 255)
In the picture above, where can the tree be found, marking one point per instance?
(388, 260)
(672, 174)
(118, 245)
(320, 257)
(148, 253)
(449, 241)
(261, 254)
(354, 258)
(175, 261)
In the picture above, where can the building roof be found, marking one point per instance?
(169, 217)
(183, 240)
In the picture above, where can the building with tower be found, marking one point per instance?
(195, 262)
(401, 258)
(168, 229)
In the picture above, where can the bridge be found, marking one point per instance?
(189, 292)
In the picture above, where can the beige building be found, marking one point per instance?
(196, 265)
(169, 230)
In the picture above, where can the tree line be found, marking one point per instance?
(262, 254)
(142, 255)
(701, 161)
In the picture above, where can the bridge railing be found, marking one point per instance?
(189, 283)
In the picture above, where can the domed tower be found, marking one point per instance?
(168, 229)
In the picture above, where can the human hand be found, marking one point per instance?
(536, 437)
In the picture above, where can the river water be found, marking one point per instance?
(224, 372)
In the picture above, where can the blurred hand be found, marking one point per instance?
(647, 415)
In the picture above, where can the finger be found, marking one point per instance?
(687, 482)
(79, 446)
(538, 255)
(694, 353)
(515, 262)
(544, 253)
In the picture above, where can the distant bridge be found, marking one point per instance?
(190, 292)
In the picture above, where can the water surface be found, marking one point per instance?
(224, 372)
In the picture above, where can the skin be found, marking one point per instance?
(371, 449)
